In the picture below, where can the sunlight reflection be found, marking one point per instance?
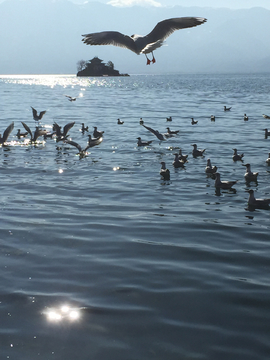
(63, 313)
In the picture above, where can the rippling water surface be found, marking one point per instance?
(100, 258)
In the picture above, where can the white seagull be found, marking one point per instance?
(143, 44)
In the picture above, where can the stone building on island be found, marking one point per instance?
(96, 67)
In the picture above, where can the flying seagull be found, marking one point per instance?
(143, 44)
(70, 98)
(35, 114)
(38, 132)
(62, 135)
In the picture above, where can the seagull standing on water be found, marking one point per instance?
(143, 44)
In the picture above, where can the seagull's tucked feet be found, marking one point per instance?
(153, 60)
(148, 62)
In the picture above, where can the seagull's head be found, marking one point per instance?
(136, 36)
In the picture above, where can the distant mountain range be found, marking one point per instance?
(41, 37)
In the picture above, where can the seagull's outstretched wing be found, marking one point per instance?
(7, 132)
(67, 127)
(57, 129)
(34, 111)
(165, 28)
(70, 142)
(110, 38)
(27, 128)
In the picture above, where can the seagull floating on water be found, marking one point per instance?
(227, 108)
(249, 175)
(245, 117)
(196, 152)
(169, 118)
(20, 134)
(143, 44)
(236, 156)
(94, 141)
(257, 203)
(268, 159)
(266, 133)
(120, 122)
(223, 184)
(84, 128)
(266, 116)
(182, 157)
(213, 118)
(193, 122)
(177, 163)
(164, 172)
(209, 168)
(6, 133)
(143, 143)
(96, 133)
(172, 132)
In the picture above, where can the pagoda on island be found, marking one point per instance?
(96, 67)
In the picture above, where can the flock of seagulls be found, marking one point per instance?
(58, 133)
(143, 44)
(61, 134)
(180, 160)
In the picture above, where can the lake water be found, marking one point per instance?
(102, 259)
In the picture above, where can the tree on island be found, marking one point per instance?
(95, 67)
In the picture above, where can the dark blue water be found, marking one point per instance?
(100, 257)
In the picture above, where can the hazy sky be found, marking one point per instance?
(233, 4)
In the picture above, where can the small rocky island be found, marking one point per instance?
(96, 67)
